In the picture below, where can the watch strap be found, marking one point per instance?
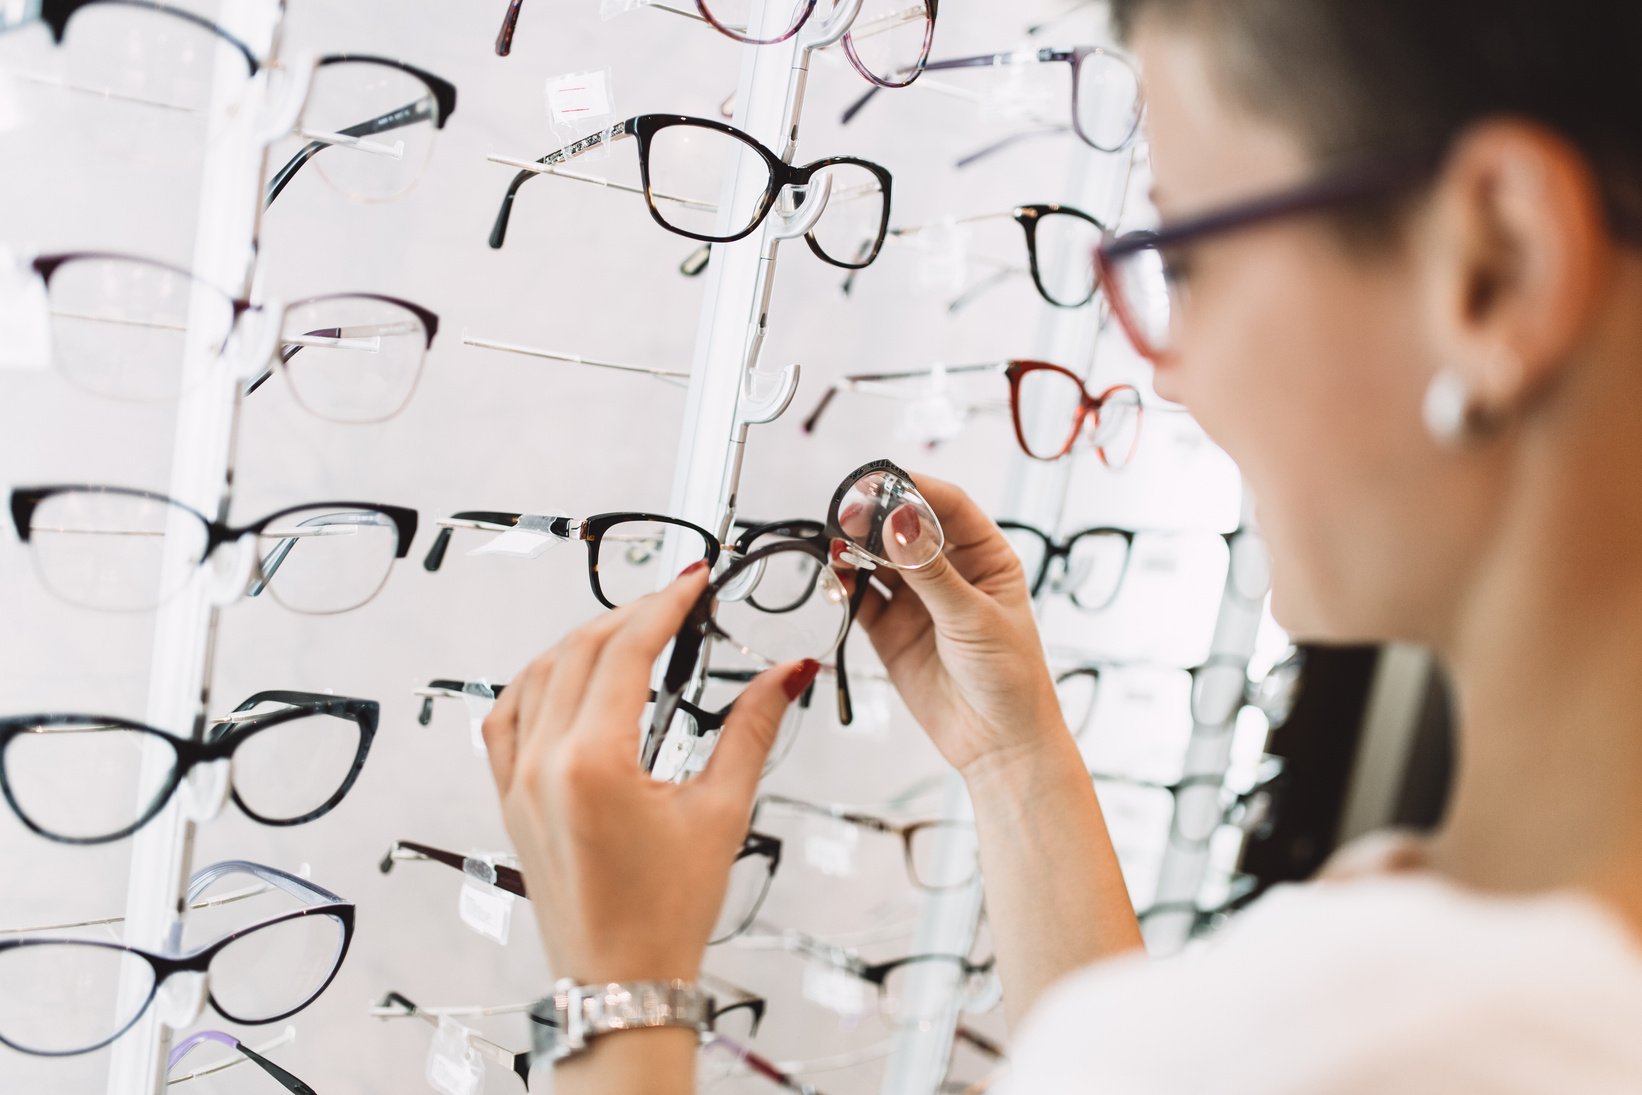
(576, 1014)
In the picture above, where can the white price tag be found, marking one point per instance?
(576, 98)
(479, 698)
(528, 539)
(832, 851)
(454, 1067)
(485, 909)
(836, 990)
(25, 316)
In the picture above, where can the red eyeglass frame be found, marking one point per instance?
(1089, 404)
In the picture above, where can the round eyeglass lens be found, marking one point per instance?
(885, 518)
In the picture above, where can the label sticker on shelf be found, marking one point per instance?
(836, 990)
(580, 104)
(25, 316)
(831, 850)
(529, 539)
(609, 9)
(454, 1067)
(479, 698)
(482, 906)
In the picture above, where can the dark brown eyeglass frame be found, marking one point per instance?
(906, 831)
(1089, 405)
(644, 127)
(1062, 549)
(510, 26)
(1074, 56)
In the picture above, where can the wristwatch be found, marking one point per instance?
(563, 1024)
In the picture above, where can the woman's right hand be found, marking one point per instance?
(960, 643)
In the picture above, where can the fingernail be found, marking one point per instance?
(801, 678)
(699, 564)
(906, 525)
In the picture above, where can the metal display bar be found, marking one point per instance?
(202, 456)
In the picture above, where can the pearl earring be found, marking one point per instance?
(1447, 408)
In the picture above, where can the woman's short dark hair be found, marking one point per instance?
(1359, 79)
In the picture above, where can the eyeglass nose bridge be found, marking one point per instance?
(205, 790)
(181, 1000)
(791, 224)
(234, 571)
(254, 340)
(283, 95)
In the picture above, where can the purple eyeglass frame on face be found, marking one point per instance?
(803, 10)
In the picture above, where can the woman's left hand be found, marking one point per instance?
(626, 874)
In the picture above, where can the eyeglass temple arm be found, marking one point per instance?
(276, 557)
(187, 1045)
(906, 374)
(498, 232)
(441, 542)
(846, 707)
(983, 60)
(422, 109)
(407, 1009)
(510, 25)
(1050, 130)
(508, 879)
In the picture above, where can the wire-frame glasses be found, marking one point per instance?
(932, 863)
(123, 550)
(60, 997)
(89, 779)
(709, 181)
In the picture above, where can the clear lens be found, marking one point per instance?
(88, 780)
(630, 553)
(1095, 566)
(352, 358)
(1108, 107)
(292, 768)
(1197, 812)
(63, 997)
(322, 561)
(707, 183)
(128, 329)
(850, 229)
(943, 856)
(890, 39)
(372, 125)
(116, 552)
(1031, 549)
(921, 991)
(1116, 432)
(1047, 406)
(1139, 286)
(271, 972)
(1078, 692)
(1066, 246)
(1218, 692)
(811, 630)
(886, 519)
(142, 79)
(775, 20)
(749, 882)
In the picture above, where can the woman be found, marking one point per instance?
(1419, 334)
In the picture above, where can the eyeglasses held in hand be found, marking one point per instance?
(910, 991)
(888, 41)
(91, 779)
(926, 844)
(182, 1049)
(750, 876)
(877, 518)
(61, 997)
(374, 119)
(123, 550)
(1051, 408)
(1106, 99)
(1060, 243)
(125, 327)
(709, 181)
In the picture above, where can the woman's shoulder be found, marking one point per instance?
(1363, 981)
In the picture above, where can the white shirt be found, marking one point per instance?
(1391, 984)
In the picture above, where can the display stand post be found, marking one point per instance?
(201, 476)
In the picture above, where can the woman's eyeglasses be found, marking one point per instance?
(877, 518)
(128, 328)
(182, 1049)
(927, 845)
(711, 182)
(1106, 100)
(1050, 408)
(61, 997)
(123, 550)
(888, 42)
(91, 779)
(750, 877)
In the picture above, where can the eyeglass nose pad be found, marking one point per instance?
(283, 94)
(25, 315)
(797, 222)
(205, 790)
(833, 27)
(233, 571)
(181, 999)
(254, 341)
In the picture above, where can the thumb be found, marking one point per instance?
(744, 743)
(948, 595)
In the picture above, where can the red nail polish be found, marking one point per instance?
(699, 564)
(801, 678)
(906, 525)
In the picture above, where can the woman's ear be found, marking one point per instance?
(1519, 257)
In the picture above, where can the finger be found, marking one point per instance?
(500, 730)
(744, 744)
(560, 697)
(619, 684)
